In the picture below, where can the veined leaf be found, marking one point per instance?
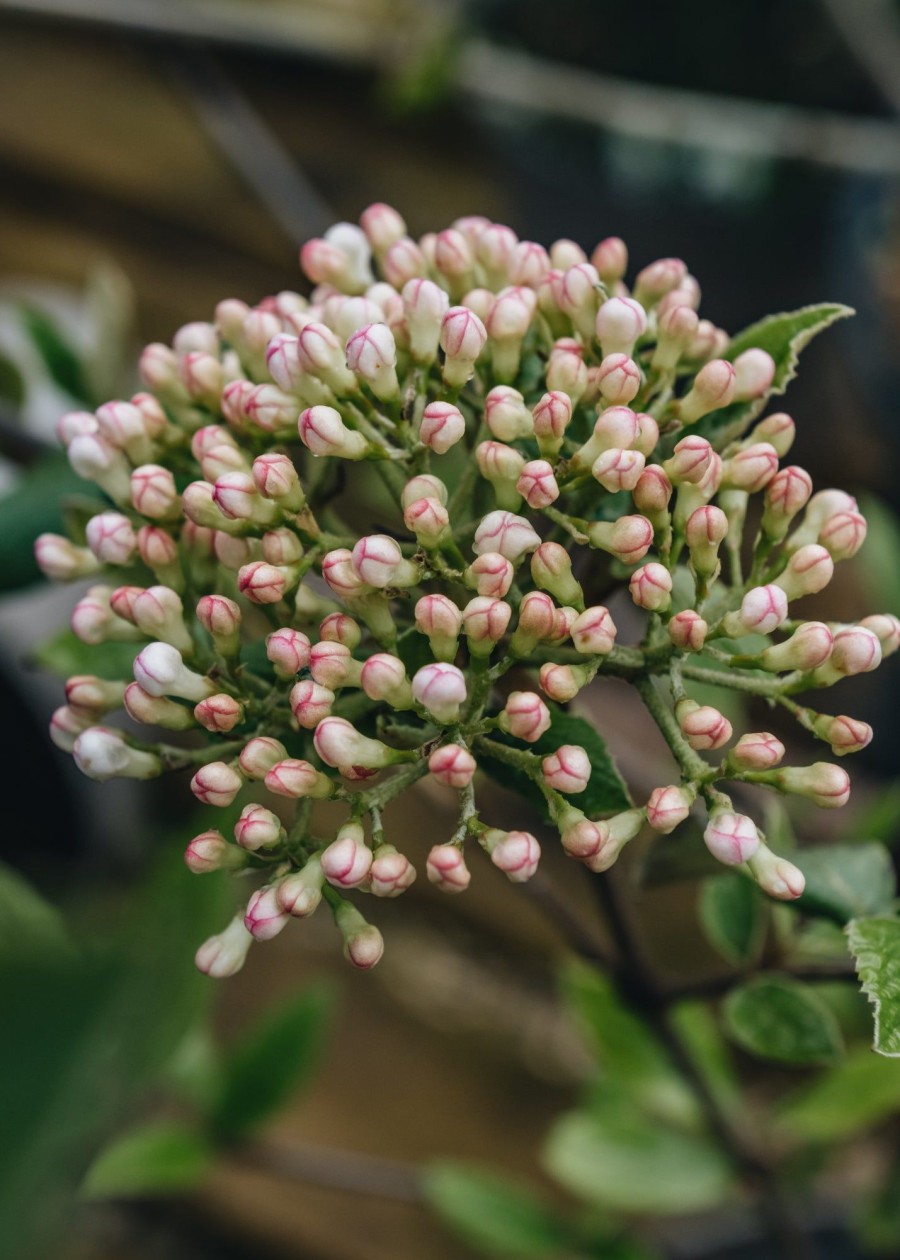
(875, 944)
(775, 1017)
(733, 916)
(847, 881)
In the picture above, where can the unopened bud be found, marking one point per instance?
(713, 387)
(153, 492)
(512, 536)
(339, 744)
(619, 379)
(156, 710)
(563, 682)
(762, 610)
(210, 851)
(383, 677)
(731, 838)
(506, 415)
(808, 647)
(676, 328)
(501, 465)
(567, 770)
(452, 765)
(690, 460)
(776, 875)
(161, 671)
(651, 587)
(758, 751)
(220, 617)
(702, 726)
(443, 425)
(828, 786)
(594, 632)
(786, 494)
(808, 571)
(628, 539)
(484, 623)
(845, 734)
(688, 630)
(843, 534)
(515, 853)
(429, 520)
(705, 530)
(300, 893)
(618, 469)
(323, 432)
(610, 258)
(525, 716)
(491, 574)
(619, 324)
(551, 570)
(441, 690)
(61, 561)
(101, 753)
(294, 779)
(754, 371)
(111, 538)
(224, 955)
(668, 807)
(379, 562)
(372, 355)
(751, 469)
(463, 337)
(337, 627)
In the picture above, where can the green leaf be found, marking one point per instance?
(494, 1213)
(35, 506)
(775, 1017)
(783, 336)
(62, 362)
(877, 562)
(626, 1050)
(279, 1055)
(702, 1038)
(847, 881)
(12, 383)
(733, 916)
(28, 923)
(619, 1159)
(65, 654)
(852, 1096)
(875, 944)
(881, 817)
(158, 1158)
(605, 793)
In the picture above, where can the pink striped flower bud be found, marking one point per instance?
(220, 617)
(347, 315)
(758, 751)
(500, 465)
(94, 621)
(258, 828)
(224, 458)
(440, 619)
(828, 786)
(713, 388)
(216, 784)
(594, 632)
(808, 571)
(264, 917)
(480, 301)
(102, 753)
(383, 225)
(158, 368)
(348, 859)
(515, 853)
(886, 628)
(778, 430)
(93, 696)
(443, 425)
(567, 770)
(529, 262)
(705, 530)
(690, 460)
(452, 765)
(808, 647)
(161, 671)
(75, 424)
(776, 876)
(295, 779)
(566, 371)
(563, 682)
(310, 703)
(676, 328)
(153, 492)
(618, 469)
(332, 665)
(372, 355)
(491, 574)
(210, 851)
(300, 893)
(339, 744)
(651, 587)
(203, 376)
(657, 279)
(856, 650)
(702, 726)
(821, 507)
(731, 838)
(620, 323)
(441, 690)
(494, 247)
(537, 622)
(61, 561)
(403, 261)
(551, 417)
(197, 501)
(525, 716)
(363, 943)
(512, 536)
(156, 710)
(282, 547)
(463, 337)
(379, 562)
(578, 296)
(507, 322)
(581, 838)
(122, 425)
(424, 486)
(484, 623)
(159, 552)
(337, 627)
(628, 539)
(563, 621)
(391, 872)
(762, 610)
(843, 534)
(615, 428)
(668, 807)
(259, 755)
(754, 371)
(383, 677)
(264, 583)
(66, 725)
(506, 415)
(648, 434)
(429, 520)
(236, 496)
(224, 955)
(111, 538)
(537, 484)
(446, 869)
(551, 570)
(688, 630)
(652, 493)
(752, 468)
(323, 432)
(845, 734)
(159, 614)
(565, 253)
(425, 305)
(219, 713)
(276, 478)
(619, 379)
(288, 650)
(340, 573)
(610, 258)
(453, 255)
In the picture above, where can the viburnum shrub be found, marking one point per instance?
(547, 434)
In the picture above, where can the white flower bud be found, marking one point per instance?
(101, 753)
(730, 837)
(441, 690)
(512, 536)
(224, 955)
(161, 671)
(515, 853)
(443, 425)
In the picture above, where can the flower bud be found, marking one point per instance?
(443, 425)
(310, 703)
(616, 428)
(563, 682)
(845, 734)
(288, 650)
(843, 534)
(275, 477)
(628, 539)
(339, 744)
(758, 751)
(363, 943)
(528, 263)
(786, 494)
(323, 432)
(551, 417)
(618, 469)
(347, 860)
(403, 261)
(688, 630)
(300, 893)
(551, 570)
(512, 536)
(676, 328)
(441, 690)
(264, 917)
(159, 552)
(484, 623)
(383, 225)
(101, 753)
(61, 561)
(525, 716)
(219, 713)
(462, 339)
(440, 619)
(620, 322)
(424, 486)
(537, 622)
(754, 371)
(93, 696)
(340, 573)
(66, 725)
(372, 355)
(657, 279)
(161, 671)
(582, 839)
(153, 493)
(75, 424)
(264, 583)
(379, 561)
(259, 755)
(778, 430)
(158, 612)
(566, 372)
(122, 425)
(506, 415)
(731, 838)
(452, 765)
(567, 770)
(429, 520)
(500, 465)
(828, 786)
(886, 628)
(690, 460)
(594, 632)
(94, 621)
(762, 610)
(856, 650)
(391, 872)
(210, 851)
(651, 495)
(491, 574)
(294, 778)
(446, 869)
(713, 387)
(610, 258)
(221, 619)
(515, 853)
(224, 955)
(705, 530)
(808, 647)
(775, 875)
(236, 496)
(619, 379)
(383, 677)
(702, 726)
(578, 296)
(156, 710)
(651, 587)
(808, 571)
(258, 828)
(111, 538)
(668, 807)
(332, 666)
(425, 305)
(752, 468)
(507, 322)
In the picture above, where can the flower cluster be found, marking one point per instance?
(544, 433)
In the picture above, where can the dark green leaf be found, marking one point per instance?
(605, 793)
(63, 364)
(844, 1101)
(702, 1039)
(847, 881)
(28, 923)
(35, 506)
(875, 944)
(277, 1058)
(881, 817)
(778, 1018)
(783, 336)
(65, 654)
(733, 916)
(619, 1159)
(878, 1219)
(493, 1213)
(12, 384)
(159, 1158)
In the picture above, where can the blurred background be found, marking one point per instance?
(158, 155)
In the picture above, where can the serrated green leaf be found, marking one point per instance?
(158, 1158)
(494, 1213)
(272, 1062)
(35, 506)
(619, 1159)
(783, 336)
(65, 654)
(847, 881)
(733, 916)
(605, 793)
(846, 1100)
(775, 1017)
(62, 362)
(12, 384)
(875, 945)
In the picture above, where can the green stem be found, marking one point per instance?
(692, 765)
